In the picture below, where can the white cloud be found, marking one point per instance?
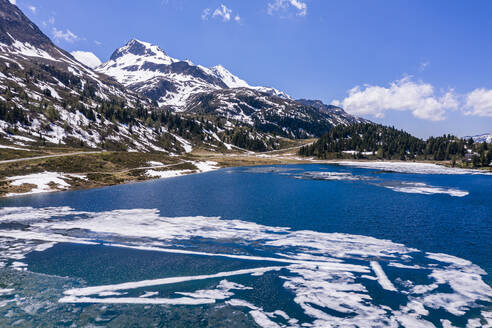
(479, 103)
(98, 42)
(284, 6)
(32, 9)
(87, 58)
(13, 2)
(221, 12)
(300, 6)
(401, 95)
(67, 36)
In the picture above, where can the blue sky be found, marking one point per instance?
(423, 66)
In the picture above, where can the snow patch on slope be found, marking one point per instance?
(202, 167)
(228, 78)
(42, 182)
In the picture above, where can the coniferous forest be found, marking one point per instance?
(374, 140)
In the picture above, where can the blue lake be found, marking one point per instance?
(319, 245)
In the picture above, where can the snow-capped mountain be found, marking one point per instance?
(47, 96)
(24, 46)
(195, 89)
(229, 79)
(45, 92)
(147, 69)
(233, 81)
(487, 137)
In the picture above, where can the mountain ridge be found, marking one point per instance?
(486, 137)
(184, 87)
(46, 95)
(146, 68)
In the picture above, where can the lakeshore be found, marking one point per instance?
(31, 171)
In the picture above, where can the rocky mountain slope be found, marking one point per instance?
(338, 115)
(48, 97)
(185, 87)
(24, 48)
(45, 94)
(267, 113)
(140, 100)
(147, 69)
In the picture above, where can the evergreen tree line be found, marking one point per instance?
(390, 143)
(117, 111)
(249, 139)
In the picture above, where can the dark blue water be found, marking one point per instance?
(453, 216)
(461, 226)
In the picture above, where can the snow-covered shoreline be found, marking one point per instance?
(61, 180)
(202, 167)
(43, 182)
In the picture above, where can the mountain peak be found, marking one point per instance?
(229, 79)
(138, 48)
(145, 68)
(219, 67)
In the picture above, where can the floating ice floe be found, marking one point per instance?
(409, 167)
(336, 279)
(422, 188)
(6, 291)
(339, 176)
(263, 318)
(398, 186)
(271, 169)
(147, 294)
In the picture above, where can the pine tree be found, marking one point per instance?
(475, 161)
(483, 159)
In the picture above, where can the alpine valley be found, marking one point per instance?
(132, 101)
(151, 191)
(144, 106)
